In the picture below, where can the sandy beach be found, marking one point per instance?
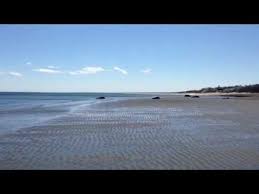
(170, 133)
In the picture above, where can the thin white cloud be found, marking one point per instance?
(73, 73)
(147, 71)
(46, 70)
(16, 74)
(28, 63)
(88, 70)
(52, 67)
(120, 70)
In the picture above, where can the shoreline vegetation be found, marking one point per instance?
(233, 91)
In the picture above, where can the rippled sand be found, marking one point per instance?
(170, 133)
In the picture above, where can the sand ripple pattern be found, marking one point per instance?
(131, 137)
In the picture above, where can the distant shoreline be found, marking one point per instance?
(228, 89)
(230, 94)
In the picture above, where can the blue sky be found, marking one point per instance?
(126, 58)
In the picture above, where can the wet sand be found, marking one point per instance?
(171, 133)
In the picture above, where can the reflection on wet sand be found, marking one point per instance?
(171, 133)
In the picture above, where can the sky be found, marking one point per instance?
(127, 58)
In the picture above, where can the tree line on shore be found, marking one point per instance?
(228, 89)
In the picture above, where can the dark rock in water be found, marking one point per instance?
(226, 98)
(101, 97)
(157, 97)
(195, 96)
(187, 95)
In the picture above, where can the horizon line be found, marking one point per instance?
(76, 92)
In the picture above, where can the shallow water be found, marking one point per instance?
(19, 110)
(171, 133)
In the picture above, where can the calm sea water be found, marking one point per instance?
(19, 110)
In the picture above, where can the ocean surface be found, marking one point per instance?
(19, 110)
(127, 131)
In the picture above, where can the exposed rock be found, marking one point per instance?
(187, 95)
(226, 98)
(101, 97)
(157, 97)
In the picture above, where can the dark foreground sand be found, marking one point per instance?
(170, 133)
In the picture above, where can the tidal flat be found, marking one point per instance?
(141, 133)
